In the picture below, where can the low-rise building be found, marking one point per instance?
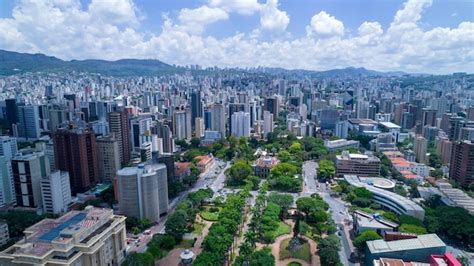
(204, 162)
(364, 221)
(341, 144)
(417, 249)
(357, 164)
(263, 165)
(94, 236)
(181, 170)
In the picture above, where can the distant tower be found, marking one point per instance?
(118, 123)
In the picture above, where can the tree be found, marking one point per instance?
(437, 173)
(195, 142)
(283, 200)
(327, 169)
(435, 161)
(365, 236)
(176, 224)
(329, 250)
(238, 172)
(139, 259)
(284, 177)
(362, 192)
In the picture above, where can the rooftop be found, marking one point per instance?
(368, 220)
(389, 125)
(421, 242)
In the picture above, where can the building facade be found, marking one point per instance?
(56, 192)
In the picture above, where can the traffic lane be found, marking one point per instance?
(346, 248)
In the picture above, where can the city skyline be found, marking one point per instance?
(417, 36)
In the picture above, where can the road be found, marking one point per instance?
(207, 179)
(337, 208)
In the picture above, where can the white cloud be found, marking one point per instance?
(68, 30)
(272, 18)
(325, 25)
(243, 7)
(194, 20)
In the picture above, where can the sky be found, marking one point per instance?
(423, 36)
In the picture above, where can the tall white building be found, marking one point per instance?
(182, 123)
(8, 147)
(240, 124)
(143, 191)
(218, 119)
(7, 188)
(199, 127)
(267, 123)
(56, 192)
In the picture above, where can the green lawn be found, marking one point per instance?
(294, 263)
(198, 227)
(303, 253)
(282, 229)
(209, 216)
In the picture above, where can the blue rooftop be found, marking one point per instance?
(54, 232)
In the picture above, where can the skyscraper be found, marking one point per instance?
(8, 147)
(462, 162)
(143, 191)
(75, 151)
(118, 124)
(56, 192)
(7, 188)
(267, 123)
(28, 170)
(420, 148)
(218, 119)
(108, 157)
(182, 123)
(196, 107)
(10, 112)
(139, 126)
(240, 124)
(272, 105)
(28, 125)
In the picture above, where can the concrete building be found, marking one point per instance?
(142, 191)
(139, 126)
(119, 125)
(390, 200)
(8, 147)
(7, 185)
(444, 149)
(199, 127)
(263, 165)
(28, 170)
(462, 162)
(417, 249)
(267, 123)
(341, 144)
(240, 124)
(75, 151)
(357, 164)
(28, 126)
(90, 237)
(420, 147)
(218, 121)
(56, 192)
(364, 221)
(4, 235)
(108, 157)
(182, 123)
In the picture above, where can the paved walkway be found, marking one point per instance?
(173, 259)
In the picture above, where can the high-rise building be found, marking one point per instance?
(7, 187)
(8, 147)
(57, 117)
(28, 125)
(11, 113)
(118, 124)
(182, 123)
(466, 133)
(444, 148)
(75, 151)
(139, 126)
(240, 124)
(420, 147)
(56, 192)
(272, 105)
(462, 162)
(196, 107)
(455, 125)
(94, 236)
(267, 123)
(168, 160)
(428, 117)
(108, 157)
(362, 109)
(28, 170)
(218, 122)
(142, 191)
(164, 133)
(199, 127)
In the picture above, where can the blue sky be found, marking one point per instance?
(411, 35)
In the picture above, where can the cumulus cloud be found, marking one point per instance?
(68, 30)
(325, 25)
(272, 18)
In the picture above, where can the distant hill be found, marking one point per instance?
(14, 63)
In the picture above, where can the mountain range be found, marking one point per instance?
(14, 63)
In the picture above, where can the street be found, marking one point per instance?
(206, 179)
